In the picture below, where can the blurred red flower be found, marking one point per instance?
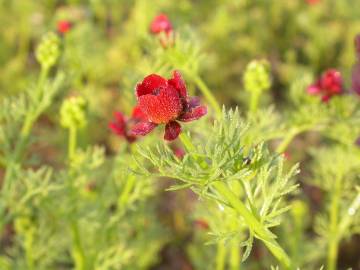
(64, 26)
(312, 2)
(163, 102)
(201, 224)
(329, 85)
(161, 23)
(179, 152)
(121, 126)
(162, 27)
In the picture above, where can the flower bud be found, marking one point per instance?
(257, 76)
(72, 112)
(48, 51)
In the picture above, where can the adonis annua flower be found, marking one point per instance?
(166, 102)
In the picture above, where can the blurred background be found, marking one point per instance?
(109, 49)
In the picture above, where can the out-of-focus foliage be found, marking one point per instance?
(74, 196)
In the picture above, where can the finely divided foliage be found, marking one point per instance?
(255, 176)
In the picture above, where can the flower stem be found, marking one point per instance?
(77, 250)
(254, 101)
(250, 219)
(289, 138)
(72, 142)
(234, 255)
(333, 234)
(207, 94)
(29, 121)
(220, 256)
(350, 214)
(253, 223)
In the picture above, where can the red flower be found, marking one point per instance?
(161, 23)
(179, 152)
(163, 102)
(121, 125)
(201, 224)
(329, 84)
(313, 2)
(64, 26)
(161, 26)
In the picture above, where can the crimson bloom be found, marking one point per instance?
(64, 26)
(165, 102)
(312, 2)
(121, 126)
(162, 27)
(329, 85)
(161, 23)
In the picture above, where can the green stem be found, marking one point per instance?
(207, 94)
(29, 240)
(124, 196)
(72, 142)
(333, 233)
(234, 255)
(77, 250)
(253, 223)
(220, 256)
(289, 138)
(254, 101)
(351, 212)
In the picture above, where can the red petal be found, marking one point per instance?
(178, 83)
(193, 102)
(194, 114)
(172, 131)
(142, 128)
(150, 84)
(314, 89)
(331, 82)
(63, 26)
(161, 108)
(137, 114)
(119, 125)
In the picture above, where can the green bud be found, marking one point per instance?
(48, 51)
(257, 76)
(72, 112)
